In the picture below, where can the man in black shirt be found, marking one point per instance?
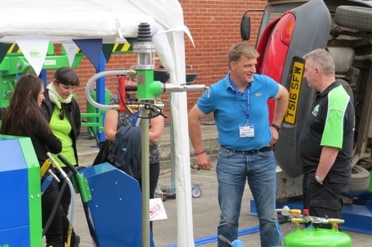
(326, 142)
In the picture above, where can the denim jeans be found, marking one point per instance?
(258, 169)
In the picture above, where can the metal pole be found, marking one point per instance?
(145, 179)
(145, 93)
(172, 188)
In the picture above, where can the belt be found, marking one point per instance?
(253, 151)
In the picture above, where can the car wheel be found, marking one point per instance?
(354, 17)
(359, 179)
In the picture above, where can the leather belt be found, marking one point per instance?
(254, 151)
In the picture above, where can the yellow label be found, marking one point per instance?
(294, 91)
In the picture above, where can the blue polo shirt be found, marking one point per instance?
(232, 109)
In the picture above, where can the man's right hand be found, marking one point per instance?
(203, 161)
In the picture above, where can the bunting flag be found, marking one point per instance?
(35, 51)
(107, 51)
(91, 48)
(3, 50)
(70, 49)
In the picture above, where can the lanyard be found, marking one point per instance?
(237, 97)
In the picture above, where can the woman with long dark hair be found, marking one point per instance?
(24, 118)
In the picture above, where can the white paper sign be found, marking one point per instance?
(157, 210)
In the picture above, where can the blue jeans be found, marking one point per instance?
(258, 169)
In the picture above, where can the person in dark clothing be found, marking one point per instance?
(116, 119)
(326, 142)
(63, 114)
(24, 118)
(114, 126)
(128, 138)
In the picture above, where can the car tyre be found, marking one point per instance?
(359, 181)
(354, 17)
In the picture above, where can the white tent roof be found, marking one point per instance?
(33, 24)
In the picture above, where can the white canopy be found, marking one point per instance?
(33, 24)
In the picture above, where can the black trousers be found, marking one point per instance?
(323, 200)
(154, 177)
(54, 232)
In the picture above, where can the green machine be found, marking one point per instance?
(20, 193)
(148, 90)
(14, 64)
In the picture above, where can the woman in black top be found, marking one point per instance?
(24, 118)
(63, 115)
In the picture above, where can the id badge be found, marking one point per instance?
(246, 130)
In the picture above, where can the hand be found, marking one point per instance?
(275, 136)
(203, 161)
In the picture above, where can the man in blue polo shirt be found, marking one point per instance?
(326, 142)
(239, 105)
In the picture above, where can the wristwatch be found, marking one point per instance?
(318, 180)
(275, 126)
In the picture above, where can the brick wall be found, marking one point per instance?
(214, 26)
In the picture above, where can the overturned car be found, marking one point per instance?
(290, 29)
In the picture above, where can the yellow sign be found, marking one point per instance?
(14, 48)
(294, 91)
(121, 47)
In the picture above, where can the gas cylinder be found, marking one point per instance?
(317, 237)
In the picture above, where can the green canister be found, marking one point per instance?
(317, 237)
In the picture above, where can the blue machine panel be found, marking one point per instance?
(14, 213)
(116, 206)
(14, 188)
(18, 236)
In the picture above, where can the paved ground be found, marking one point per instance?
(205, 209)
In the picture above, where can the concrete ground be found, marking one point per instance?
(205, 208)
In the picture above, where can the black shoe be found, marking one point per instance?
(76, 241)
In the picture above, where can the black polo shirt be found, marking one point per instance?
(331, 123)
